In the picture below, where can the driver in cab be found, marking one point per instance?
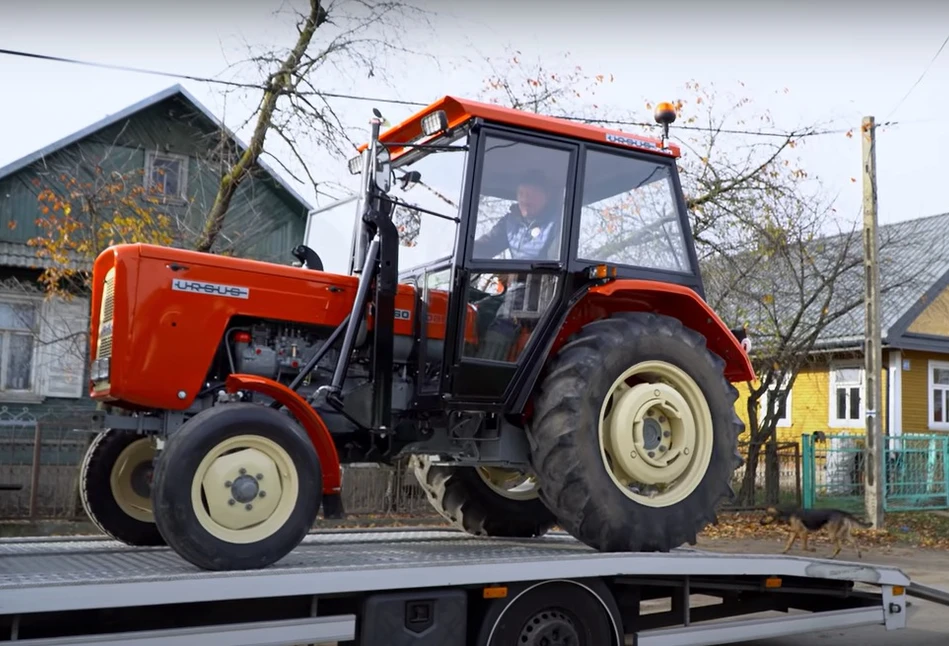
(530, 230)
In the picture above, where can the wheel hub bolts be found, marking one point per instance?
(245, 488)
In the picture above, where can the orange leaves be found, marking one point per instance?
(79, 219)
(919, 529)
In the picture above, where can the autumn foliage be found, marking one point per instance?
(79, 218)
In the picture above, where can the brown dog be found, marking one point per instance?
(803, 522)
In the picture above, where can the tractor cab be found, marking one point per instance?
(515, 215)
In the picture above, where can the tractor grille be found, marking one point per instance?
(104, 349)
(108, 296)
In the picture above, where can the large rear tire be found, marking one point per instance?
(629, 406)
(237, 487)
(484, 501)
(115, 487)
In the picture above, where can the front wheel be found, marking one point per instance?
(635, 434)
(115, 486)
(237, 487)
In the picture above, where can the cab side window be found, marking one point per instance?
(521, 210)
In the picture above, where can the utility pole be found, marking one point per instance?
(874, 476)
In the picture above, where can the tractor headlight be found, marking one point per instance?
(434, 123)
(355, 164)
(99, 370)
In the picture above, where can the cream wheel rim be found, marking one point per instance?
(250, 486)
(130, 480)
(655, 436)
(509, 483)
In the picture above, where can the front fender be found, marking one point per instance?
(676, 301)
(309, 419)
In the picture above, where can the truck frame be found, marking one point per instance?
(430, 586)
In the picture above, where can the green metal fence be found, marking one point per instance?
(916, 470)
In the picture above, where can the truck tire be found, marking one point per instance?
(470, 500)
(605, 449)
(553, 612)
(115, 481)
(237, 487)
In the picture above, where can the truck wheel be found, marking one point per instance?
(552, 612)
(237, 487)
(635, 434)
(484, 501)
(115, 487)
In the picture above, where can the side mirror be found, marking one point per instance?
(383, 169)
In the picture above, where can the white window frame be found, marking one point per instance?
(34, 392)
(151, 156)
(833, 421)
(931, 387)
(786, 421)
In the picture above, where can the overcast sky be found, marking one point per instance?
(837, 63)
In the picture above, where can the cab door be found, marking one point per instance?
(511, 261)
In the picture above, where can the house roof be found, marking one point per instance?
(913, 265)
(158, 97)
(914, 259)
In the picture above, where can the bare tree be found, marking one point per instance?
(800, 293)
(350, 36)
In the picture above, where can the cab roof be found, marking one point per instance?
(461, 110)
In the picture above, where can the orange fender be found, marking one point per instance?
(629, 295)
(310, 420)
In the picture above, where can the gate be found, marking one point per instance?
(915, 471)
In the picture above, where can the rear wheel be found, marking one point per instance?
(485, 501)
(636, 434)
(115, 486)
(237, 487)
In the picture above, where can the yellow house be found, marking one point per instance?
(829, 396)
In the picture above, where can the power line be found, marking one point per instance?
(921, 76)
(373, 99)
(730, 131)
(199, 79)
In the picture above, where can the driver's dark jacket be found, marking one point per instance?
(527, 238)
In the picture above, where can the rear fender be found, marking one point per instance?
(677, 301)
(308, 418)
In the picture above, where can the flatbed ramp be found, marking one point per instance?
(431, 587)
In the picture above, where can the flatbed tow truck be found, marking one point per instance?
(435, 587)
(599, 306)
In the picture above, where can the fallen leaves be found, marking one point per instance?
(919, 529)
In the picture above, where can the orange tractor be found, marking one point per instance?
(558, 365)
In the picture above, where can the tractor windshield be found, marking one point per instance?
(427, 238)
